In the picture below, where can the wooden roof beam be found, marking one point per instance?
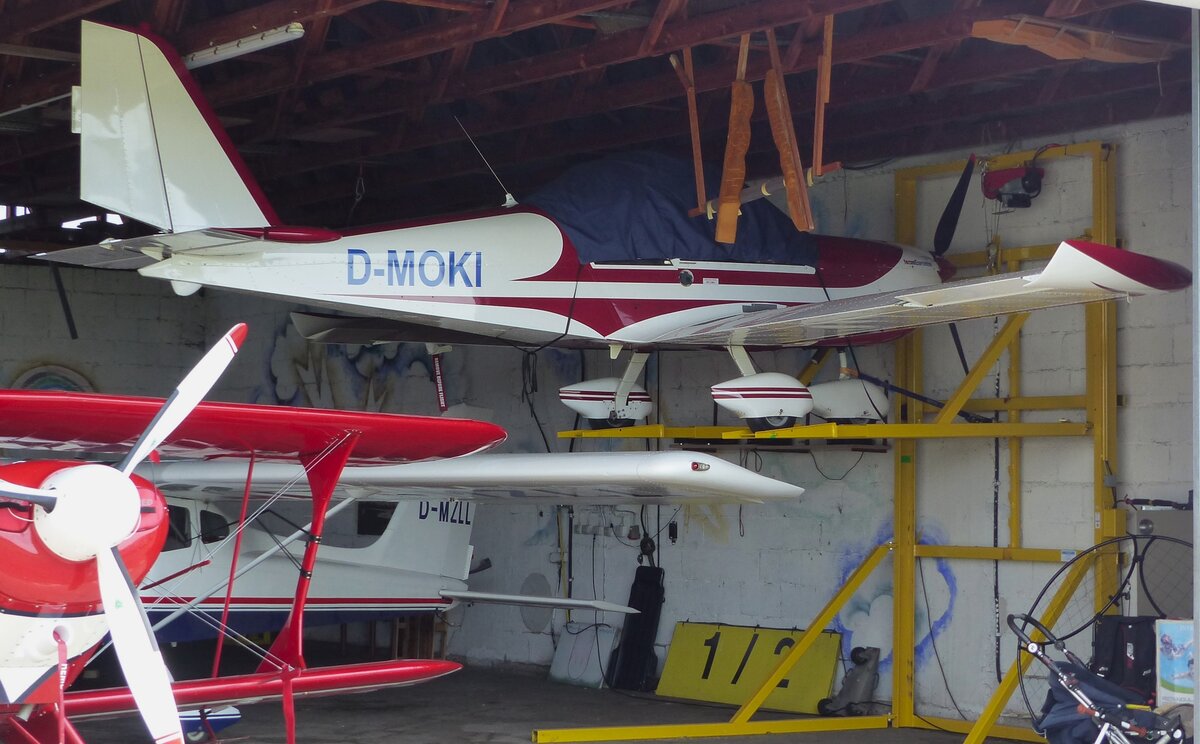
(439, 37)
(262, 18)
(999, 129)
(1081, 89)
(422, 41)
(665, 10)
(610, 50)
(19, 22)
(884, 40)
(1084, 101)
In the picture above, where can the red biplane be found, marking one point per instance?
(77, 537)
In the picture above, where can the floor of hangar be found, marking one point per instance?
(486, 705)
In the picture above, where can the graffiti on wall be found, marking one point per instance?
(866, 620)
(382, 377)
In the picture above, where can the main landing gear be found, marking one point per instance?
(765, 400)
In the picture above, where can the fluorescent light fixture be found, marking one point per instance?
(246, 45)
(228, 50)
(1194, 4)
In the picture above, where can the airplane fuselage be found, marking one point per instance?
(41, 592)
(515, 276)
(423, 547)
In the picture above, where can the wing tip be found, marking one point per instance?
(1157, 273)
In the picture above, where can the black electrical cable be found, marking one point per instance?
(858, 369)
(867, 166)
(933, 641)
(840, 477)
(999, 629)
(529, 361)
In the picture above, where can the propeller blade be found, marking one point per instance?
(944, 234)
(137, 650)
(190, 391)
(40, 496)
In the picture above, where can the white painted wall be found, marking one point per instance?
(766, 565)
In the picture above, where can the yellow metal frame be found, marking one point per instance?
(740, 724)
(1099, 402)
(915, 420)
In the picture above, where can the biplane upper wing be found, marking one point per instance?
(109, 424)
(1078, 272)
(564, 478)
(384, 461)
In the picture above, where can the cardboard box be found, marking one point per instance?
(1175, 661)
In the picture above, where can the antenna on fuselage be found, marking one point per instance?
(509, 200)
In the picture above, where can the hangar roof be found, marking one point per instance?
(363, 118)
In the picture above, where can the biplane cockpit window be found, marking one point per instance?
(213, 526)
(179, 528)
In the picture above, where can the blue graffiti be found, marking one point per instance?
(362, 377)
(927, 629)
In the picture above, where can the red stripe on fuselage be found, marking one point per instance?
(845, 263)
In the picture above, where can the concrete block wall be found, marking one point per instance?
(135, 336)
(777, 565)
(770, 565)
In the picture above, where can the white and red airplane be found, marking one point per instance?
(152, 149)
(77, 538)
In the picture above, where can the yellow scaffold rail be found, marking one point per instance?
(916, 431)
(839, 431)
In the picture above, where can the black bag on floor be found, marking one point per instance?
(1123, 652)
(633, 663)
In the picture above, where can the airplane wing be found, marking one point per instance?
(562, 478)
(110, 424)
(1078, 272)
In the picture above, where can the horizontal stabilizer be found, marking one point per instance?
(136, 253)
(529, 600)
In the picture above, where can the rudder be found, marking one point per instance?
(151, 148)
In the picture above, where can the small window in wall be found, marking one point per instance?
(373, 516)
(213, 526)
(179, 528)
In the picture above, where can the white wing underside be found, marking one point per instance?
(567, 478)
(1072, 276)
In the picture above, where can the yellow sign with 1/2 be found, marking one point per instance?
(728, 663)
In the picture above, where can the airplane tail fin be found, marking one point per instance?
(151, 147)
